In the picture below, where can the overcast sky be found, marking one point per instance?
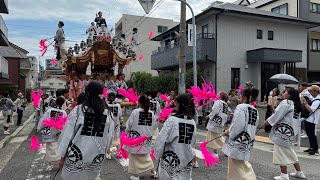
(29, 21)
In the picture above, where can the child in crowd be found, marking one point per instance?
(50, 135)
(141, 122)
(240, 137)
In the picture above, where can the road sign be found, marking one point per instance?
(147, 5)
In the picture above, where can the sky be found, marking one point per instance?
(29, 21)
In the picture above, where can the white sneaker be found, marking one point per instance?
(216, 155)
(196, 164)
(49, 168)
(303, 135)
(7, 133)
(108, 156)
(134, 178)
(282, 177)
(298, 174)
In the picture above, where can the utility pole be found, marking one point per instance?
(182, 46)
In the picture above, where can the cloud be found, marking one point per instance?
(80, 13)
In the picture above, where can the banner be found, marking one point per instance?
(190, 35)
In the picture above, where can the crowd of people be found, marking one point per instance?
(93, 127)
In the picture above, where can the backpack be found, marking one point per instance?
(305, 113)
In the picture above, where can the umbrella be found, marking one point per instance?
(284, 79)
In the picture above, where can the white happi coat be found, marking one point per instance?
(138, 126)
(83, 144)
(282, 122)
(218, 117)
(50, 134)
(155, 107)
(242, 132)
(174, 148)
(116, 110)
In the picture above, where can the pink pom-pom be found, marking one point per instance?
(152, 155)
(35, 145)
(208, 159)
(141, 57)
(164, 98)
(150, 35)
(254, 103)
(122, 153)
(105, 92)
(36, 98)
(53, 61)
(240, 89)
(165, 113)
(129, 95)
(204, 96)
(131, 142)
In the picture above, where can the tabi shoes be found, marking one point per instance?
(298, 174)
(7, 132)
(282, 177)
(108, 156)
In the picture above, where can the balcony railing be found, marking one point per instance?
(166, 57)
(4, 72)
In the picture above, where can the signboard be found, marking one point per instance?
(190, 35)
(147, 5)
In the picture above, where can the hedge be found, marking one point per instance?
(165, 82)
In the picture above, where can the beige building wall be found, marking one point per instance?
(144, 25)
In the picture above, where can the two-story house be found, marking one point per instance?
(236, 44)
(4, 74)
(304, 9)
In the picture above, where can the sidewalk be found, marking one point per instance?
(14, 130)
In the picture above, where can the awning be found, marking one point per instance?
(274, 55)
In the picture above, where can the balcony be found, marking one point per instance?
(3, 33)
(4, 6)
(167, 57)
(4, 74)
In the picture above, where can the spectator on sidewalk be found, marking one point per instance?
(304, 115)
(19, 102)
(7, 107)
(313, 119)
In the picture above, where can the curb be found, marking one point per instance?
(4, 141)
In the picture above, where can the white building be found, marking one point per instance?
(144, 26)
(236, 44)
(52, 84)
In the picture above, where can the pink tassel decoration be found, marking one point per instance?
(141, 57)
(105, 92)
(122, 153)
(254, 103)
(164, 98)
(130, 141)
(165, 113)
(53, 61)
(129, 95)
(208, 158)
(57, 122)
(150, 35)
(43, 46)
(205, 95)
(35, 145)
(152, 155)
(36, 98)
(240, 89)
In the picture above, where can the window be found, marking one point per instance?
(259, 34)
(235, 78)
(162, 29)
(315, 46)
(315, 8)
(270, 35)
(205, 31)
(283, 9)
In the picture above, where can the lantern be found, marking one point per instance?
(76, 48)
(70, 51)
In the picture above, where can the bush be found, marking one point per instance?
(165, 82)
(12, 89)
